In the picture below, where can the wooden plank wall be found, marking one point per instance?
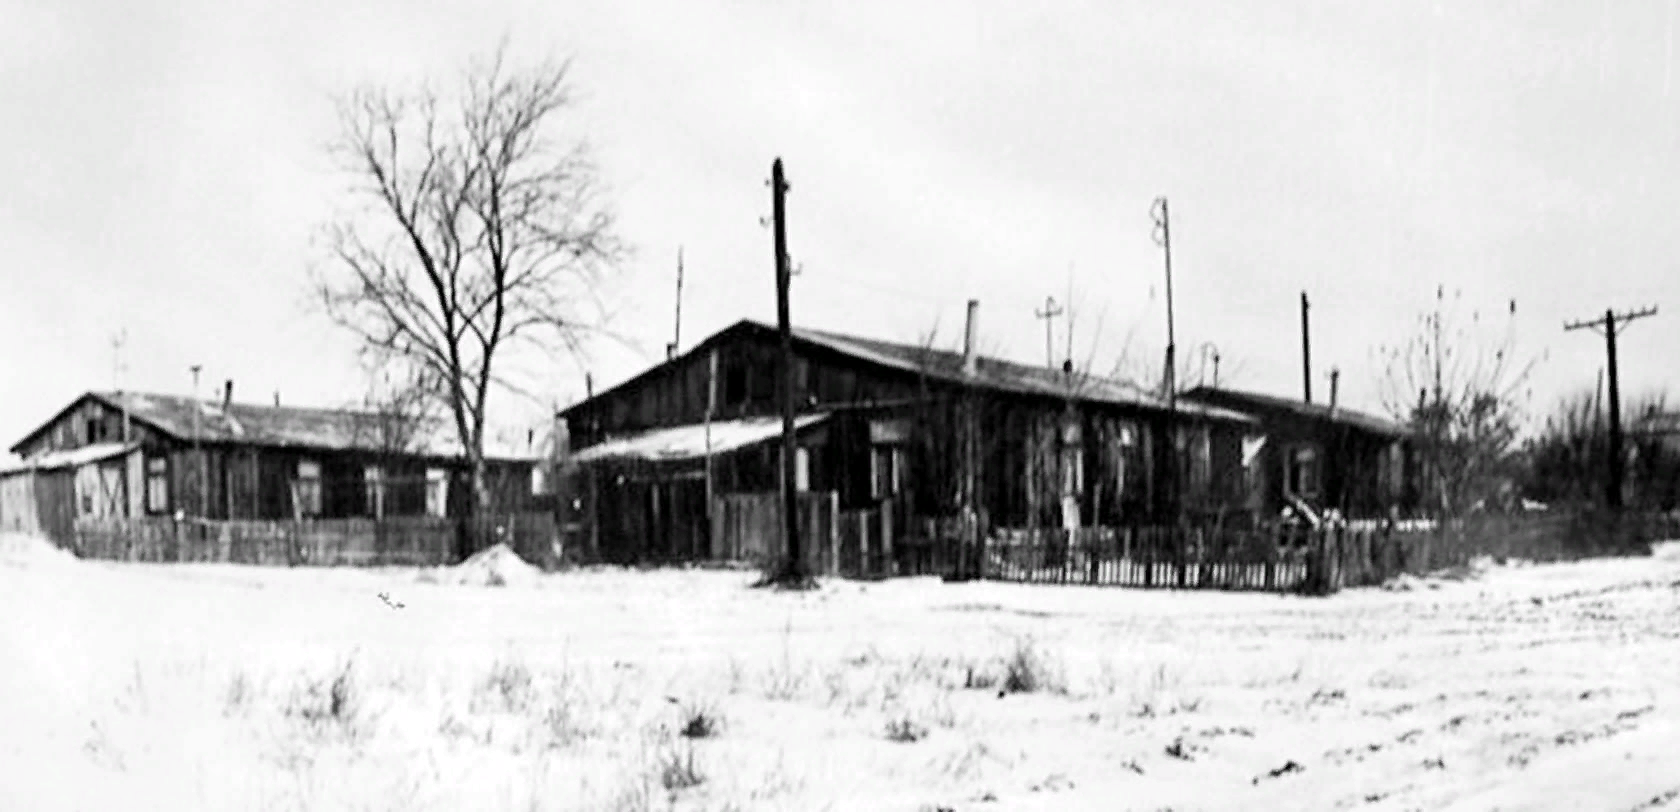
(857, 543)
(407, 540)
(18, 504)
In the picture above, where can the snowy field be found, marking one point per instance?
(139, 687)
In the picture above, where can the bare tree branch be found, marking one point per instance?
(485, 234)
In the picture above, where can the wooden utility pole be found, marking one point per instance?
(793, 567)
(1049, 313)
(1607, 326)
(676, 337)
(1306, 351)
(1163, 238)
(198, 448)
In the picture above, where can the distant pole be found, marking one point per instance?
(1163, 238)
(1048, 314)
(1306, 351)
(1616, 458)
(711, 408)
(198, 449)
(117, 378)
(1609, 325)
(793, 569)
(676, 338)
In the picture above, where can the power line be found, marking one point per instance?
(1049, 313)
(1608, 327)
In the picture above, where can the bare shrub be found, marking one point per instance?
(507, 688)
(677, 770)
(906, 730)
(700, 721)
(329, 705)
(1030, 669)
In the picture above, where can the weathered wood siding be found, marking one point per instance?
(749, 366)
(55, 504)
(17, 503)
(88, 421)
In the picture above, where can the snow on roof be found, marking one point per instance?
(993, 374)
(690, 442)
(72, 458)
(1319, 411)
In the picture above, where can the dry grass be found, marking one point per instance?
(864, 692)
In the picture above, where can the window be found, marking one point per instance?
(95, 430)
(1301, 475)
(1252, 445)
(437, 492)
(886, 470)
(1199, 460)
(802, 469)
(734, 384)
(157, 484)
(373, 480)
(306, 489)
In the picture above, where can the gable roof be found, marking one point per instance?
(993, 374)
(248, 424)
(1316, 411)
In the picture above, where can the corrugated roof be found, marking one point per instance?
(53, 460)
(189, 418)
(1003, 375)
(1318, 411)
(995, 374)
(692, 442)
(277, 426)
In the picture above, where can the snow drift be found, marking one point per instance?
(20, 548)
(494, 566)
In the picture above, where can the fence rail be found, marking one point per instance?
(1285, 558)
(394, 541)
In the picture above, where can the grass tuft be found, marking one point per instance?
(677, 770)
(507, 688)
(700, 721)
(906, 730)
(1030, 670)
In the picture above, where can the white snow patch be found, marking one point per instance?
(24, 549)
(494, 566)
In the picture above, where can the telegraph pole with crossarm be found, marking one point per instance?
(1608, 326)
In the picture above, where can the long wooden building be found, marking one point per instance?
(131, 454)
(881, 426)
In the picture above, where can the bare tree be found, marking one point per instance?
(402, 408)
(480, 234)
(1463, 394)
(1568, 461)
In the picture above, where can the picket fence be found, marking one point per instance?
(1284, 558)
(391, 541)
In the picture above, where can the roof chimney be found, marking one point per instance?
(1335, 377)
(227, 394)
(970, 362)
(277, 397)
(588, 385)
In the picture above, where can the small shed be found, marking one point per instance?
(45, 494)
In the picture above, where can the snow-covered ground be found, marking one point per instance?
(126, 686)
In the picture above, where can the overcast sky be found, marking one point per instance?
(162, 173)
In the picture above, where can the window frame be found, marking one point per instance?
(307, 498)
(155, 469)
(1311, 472)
